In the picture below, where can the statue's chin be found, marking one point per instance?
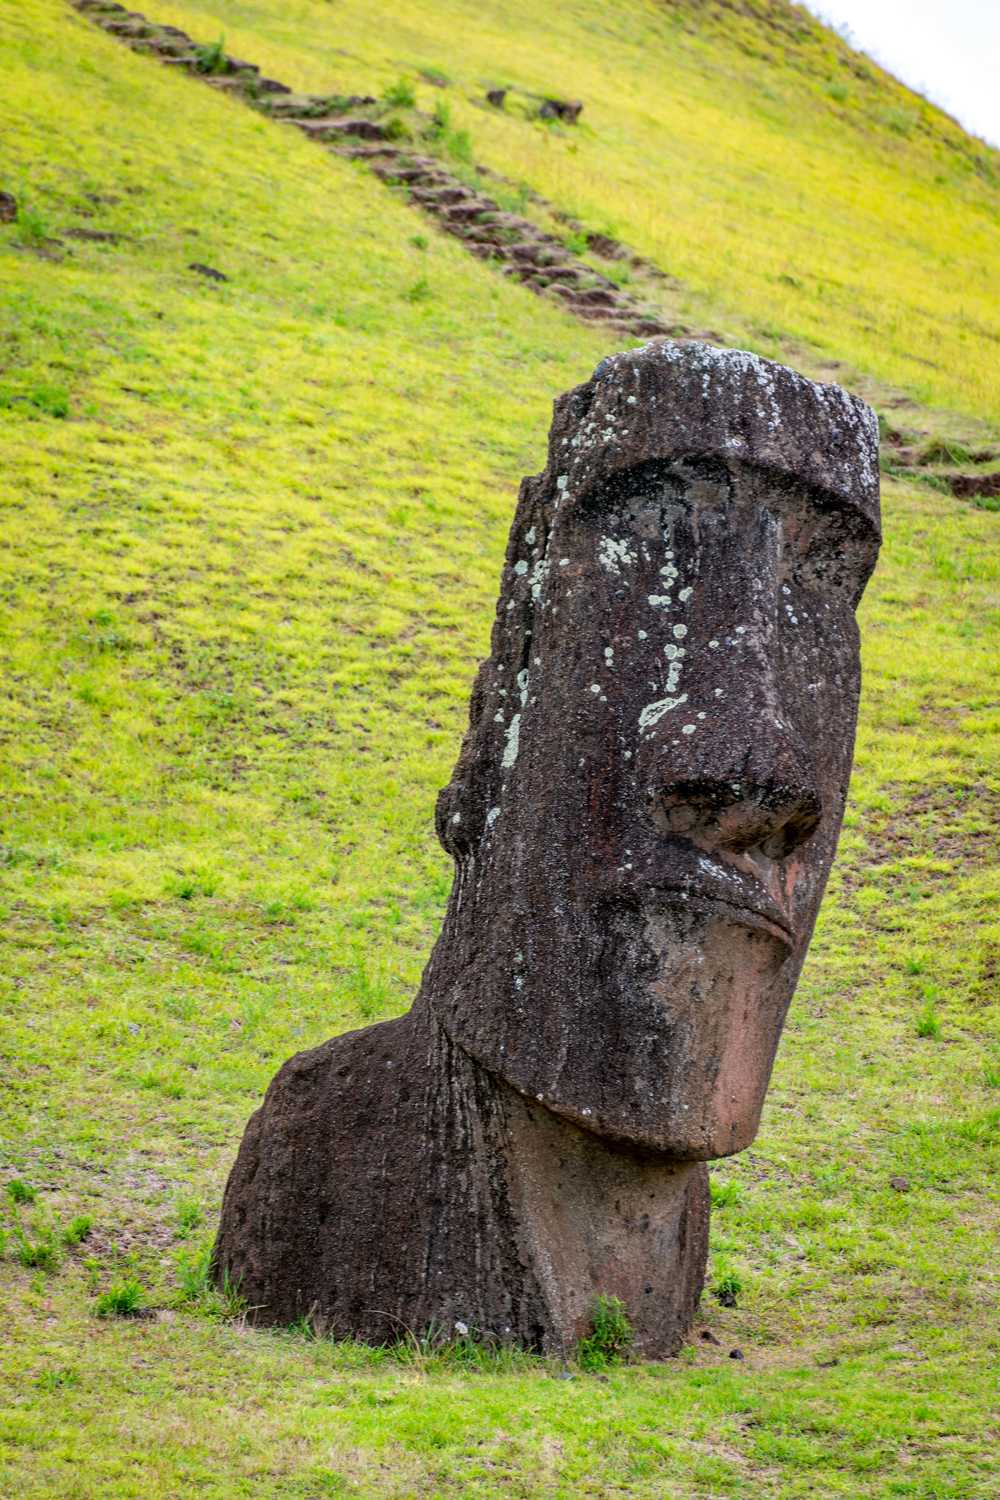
(692, 1026)
(665, 1046)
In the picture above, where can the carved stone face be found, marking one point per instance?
(647, 804)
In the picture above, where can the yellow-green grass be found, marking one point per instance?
(792, 186)
(245, 580)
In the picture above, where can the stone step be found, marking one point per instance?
(564, 290)
(128, 26)
(474, 234)
(537, 253)
(568, 276)
(444, 196)
(598, 314)
(226, 83)
(504, 220)
(462, 213)
(333, 126)
(320, 106)
(169, 49)
(598, 296)
(427, 175)
(381, 155)
(427, 163)
(295, 104)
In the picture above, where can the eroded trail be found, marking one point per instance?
(547, 256)
(360, 127)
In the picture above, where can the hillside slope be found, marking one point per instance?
(251, 535)
(790, 186)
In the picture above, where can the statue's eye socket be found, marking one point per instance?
(830, 554)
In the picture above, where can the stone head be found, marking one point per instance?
(647, 802)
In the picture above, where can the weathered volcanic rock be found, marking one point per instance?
(568, 110)
(642, 817)
(972, 486)
(332, 127)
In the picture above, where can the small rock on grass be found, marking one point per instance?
(209, 271)
(94, 236)
(567, 110)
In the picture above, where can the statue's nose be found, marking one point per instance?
(738, 794)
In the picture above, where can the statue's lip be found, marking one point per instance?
(760, 921)
(769, 920)
(695, 877)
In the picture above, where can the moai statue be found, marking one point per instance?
(642, 818)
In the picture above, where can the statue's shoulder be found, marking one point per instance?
(349, 1074)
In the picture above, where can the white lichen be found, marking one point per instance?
(512, 737)
(614, 554)
(654, 712)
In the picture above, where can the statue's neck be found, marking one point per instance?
(558, 1215)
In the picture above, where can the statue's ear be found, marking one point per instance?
(453, 818)
(460, 814)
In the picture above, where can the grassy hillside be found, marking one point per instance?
(791, 186)
(251, 536)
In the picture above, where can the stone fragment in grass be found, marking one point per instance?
(208, 271)
(567, 110)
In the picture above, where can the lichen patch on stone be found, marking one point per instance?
(654, 712)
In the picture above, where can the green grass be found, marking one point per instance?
(610, 1338)
(246, 576)
(122, 1300)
